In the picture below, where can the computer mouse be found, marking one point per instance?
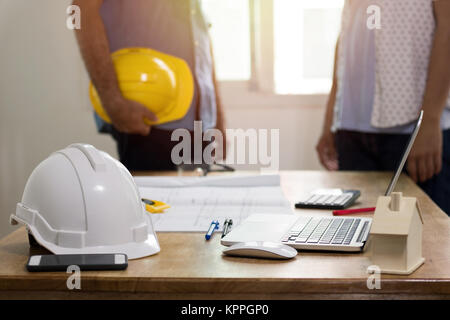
(261, 249)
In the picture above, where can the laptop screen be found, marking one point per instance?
(402, 161)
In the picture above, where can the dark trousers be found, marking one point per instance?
(382, 152)
(151, 152)
(142, 153)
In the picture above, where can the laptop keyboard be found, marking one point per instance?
(323, 230)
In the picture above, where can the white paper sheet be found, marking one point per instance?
(195, 202)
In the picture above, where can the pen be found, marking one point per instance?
(352, 211)
(226, 227)
(214, 226)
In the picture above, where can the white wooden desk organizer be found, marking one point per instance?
(396, 235)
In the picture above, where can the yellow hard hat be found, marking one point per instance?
(161, 82)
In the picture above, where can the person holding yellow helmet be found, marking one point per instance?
(151, 67)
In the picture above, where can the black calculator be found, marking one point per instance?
(330, 199)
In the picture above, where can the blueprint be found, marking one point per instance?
(196, 201)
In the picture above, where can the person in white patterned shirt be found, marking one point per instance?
(382, 79)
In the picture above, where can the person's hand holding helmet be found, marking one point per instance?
(128, 116)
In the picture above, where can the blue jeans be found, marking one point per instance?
(381, 152)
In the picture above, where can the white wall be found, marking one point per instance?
(44, 104)
(299, 131)
(43, 88)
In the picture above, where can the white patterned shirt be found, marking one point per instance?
(402, 51)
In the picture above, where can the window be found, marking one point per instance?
(276, 46)
(230, 34)
(305, 40)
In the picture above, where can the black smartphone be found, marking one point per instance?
(60, 262)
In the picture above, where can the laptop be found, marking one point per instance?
(308, 232)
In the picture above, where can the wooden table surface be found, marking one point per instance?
(188, 267)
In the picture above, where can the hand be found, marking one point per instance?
(326, 151)
(425, 158)
(128, 116)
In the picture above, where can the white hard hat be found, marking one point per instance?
(81, 200)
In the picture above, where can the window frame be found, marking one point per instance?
(259, 90)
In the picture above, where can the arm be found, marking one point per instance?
(326, 149)
(425, 159)
(220, 116)
(220, 122)
(127, 116)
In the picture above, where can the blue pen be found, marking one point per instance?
(214, 226)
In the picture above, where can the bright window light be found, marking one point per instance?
(230, 33)
(305, 39)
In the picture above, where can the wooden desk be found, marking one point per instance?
(188, 267)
